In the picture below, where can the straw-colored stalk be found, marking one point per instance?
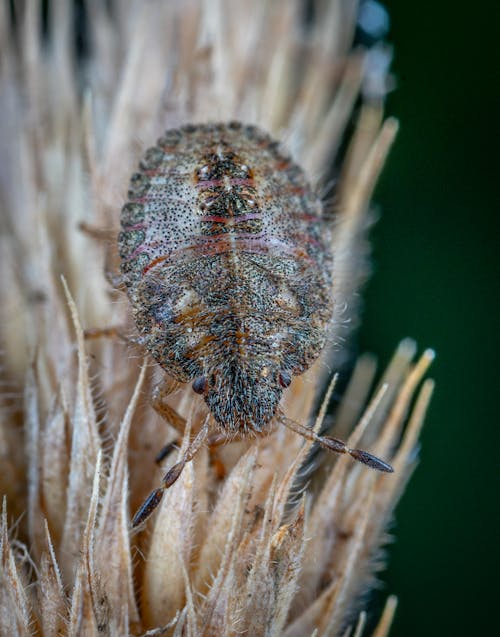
(272, 548)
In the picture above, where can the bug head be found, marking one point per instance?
(242, 399)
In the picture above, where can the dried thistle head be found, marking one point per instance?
(280, 545)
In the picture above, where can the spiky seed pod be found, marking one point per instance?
(256, 552)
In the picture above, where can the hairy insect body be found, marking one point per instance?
(227, 262)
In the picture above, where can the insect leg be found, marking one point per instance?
(99, 234)
(112, 331)
(115, 280)
(218, 439)
(166, 450)
(338, 446)
(168, 413)
(107, 237)
(154, 498)
(160, 393)
(214, 441)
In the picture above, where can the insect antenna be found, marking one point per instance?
(172, 475)
(338, 446)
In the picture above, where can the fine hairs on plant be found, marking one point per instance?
(269, 535)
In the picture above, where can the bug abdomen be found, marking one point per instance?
(223, 237)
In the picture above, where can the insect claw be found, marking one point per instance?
(370, 460)
(147, 507)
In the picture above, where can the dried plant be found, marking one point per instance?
(286, 543)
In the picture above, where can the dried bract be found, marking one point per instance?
(250, 537)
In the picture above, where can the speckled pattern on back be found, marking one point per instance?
(226, 258)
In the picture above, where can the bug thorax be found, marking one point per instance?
(243, 399)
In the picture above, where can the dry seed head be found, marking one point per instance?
(77, 435)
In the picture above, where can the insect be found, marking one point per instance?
(226, 258)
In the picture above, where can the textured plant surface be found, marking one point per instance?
(282, 545)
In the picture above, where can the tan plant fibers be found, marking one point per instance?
(268, 550)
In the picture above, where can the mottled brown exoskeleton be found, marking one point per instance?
(227, 262)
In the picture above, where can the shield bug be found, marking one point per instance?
(227, 261)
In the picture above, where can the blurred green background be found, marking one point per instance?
(436, 279)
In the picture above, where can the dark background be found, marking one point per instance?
(436, 280)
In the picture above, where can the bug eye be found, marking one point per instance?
(285, 379)
(200, 385)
